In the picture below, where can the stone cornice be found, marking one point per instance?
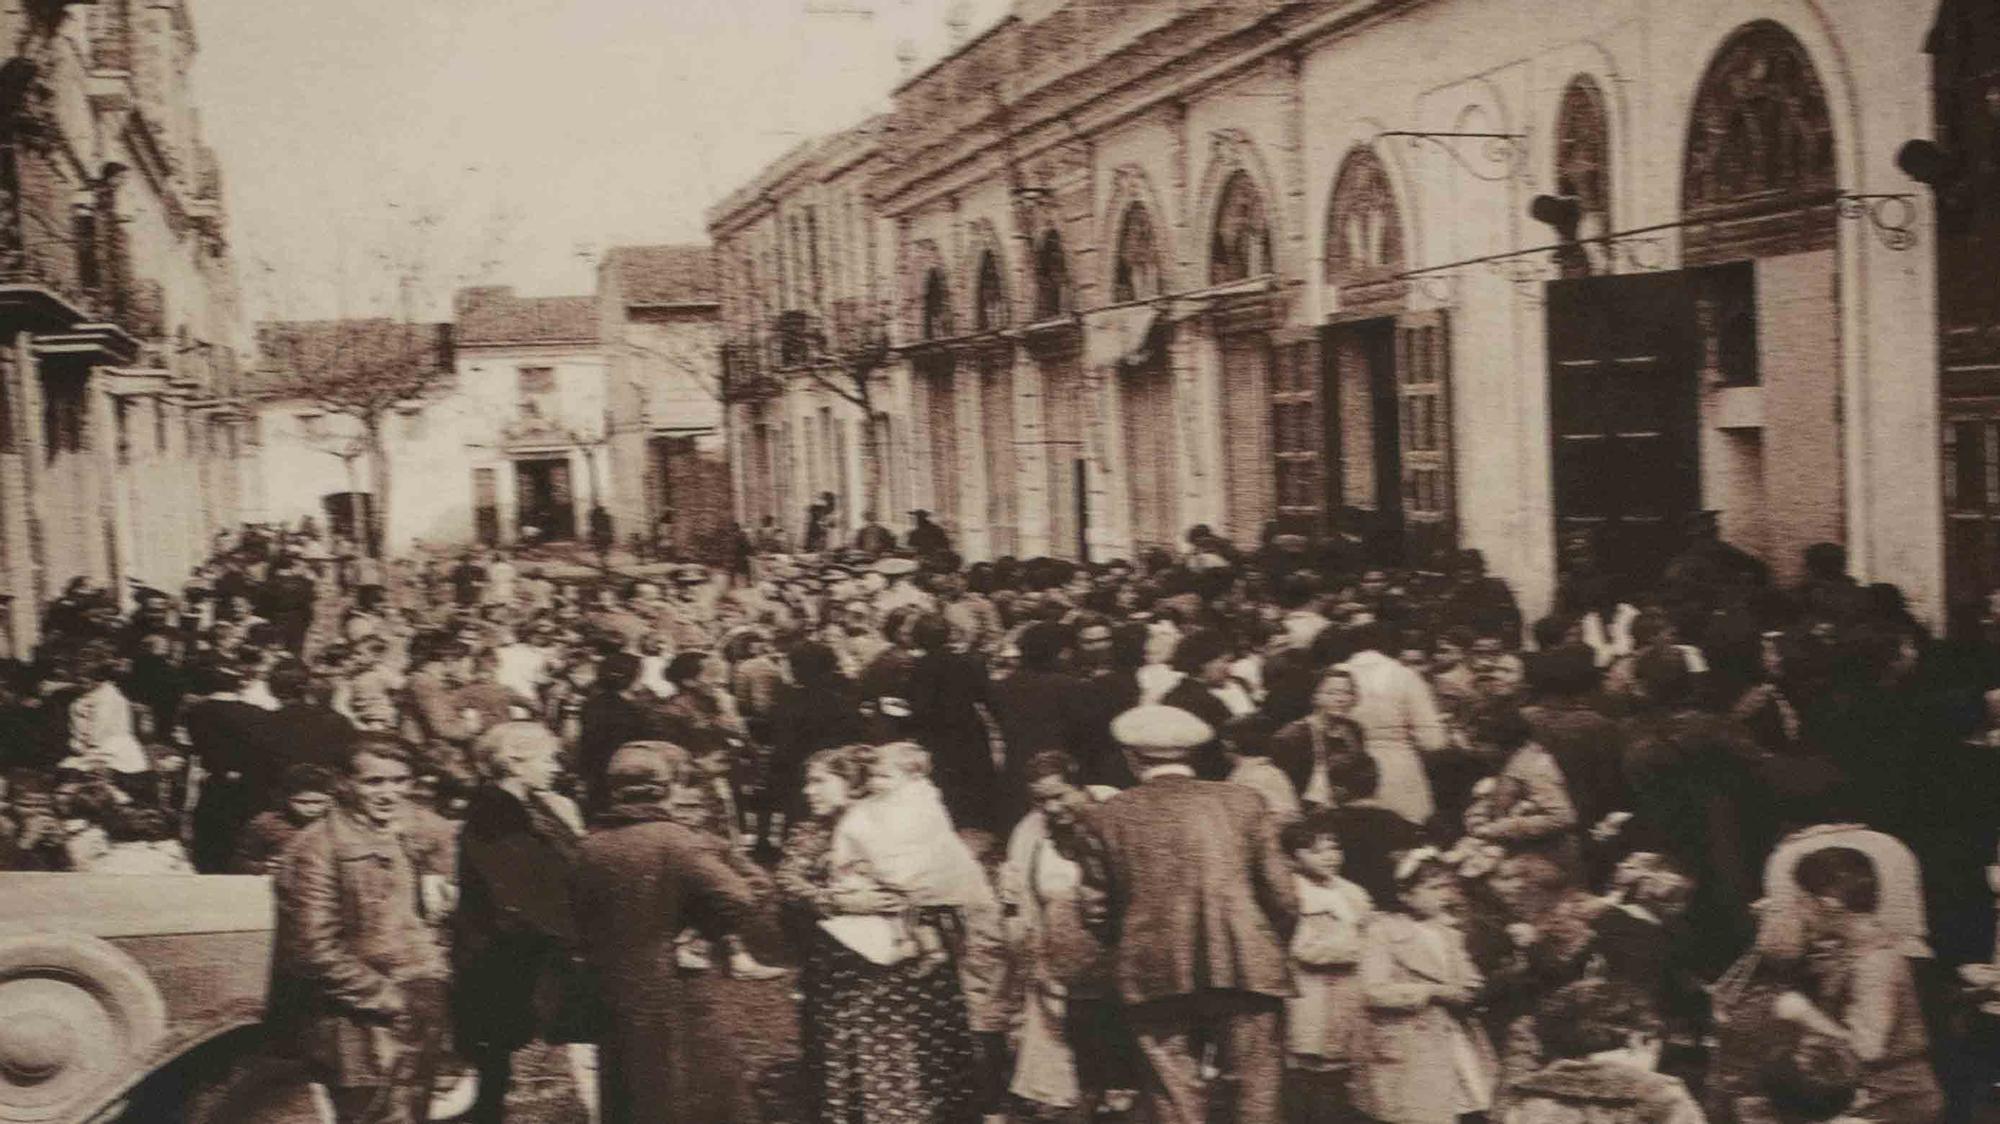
(1202, 47)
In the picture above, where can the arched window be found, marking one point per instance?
(1758, 178)
(1583, 156)
(1241, 246)
(990, 312)
(937, 306)
(1364, 230)
(1051, 277)
(1135, 273)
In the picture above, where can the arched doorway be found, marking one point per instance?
(1056, 344)
(1660, 383)
(1240, 250)
(936, 368)
(1146, 393)
(994, 358)
(1386, 385)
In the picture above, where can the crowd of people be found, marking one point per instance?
(1271, 835)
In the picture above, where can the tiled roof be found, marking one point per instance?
(494, 315)
(292, 352)
(653, 275)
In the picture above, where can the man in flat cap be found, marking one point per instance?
(1196, 903)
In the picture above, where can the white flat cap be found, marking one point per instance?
(1160, 731)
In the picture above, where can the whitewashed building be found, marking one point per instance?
(1421, 273)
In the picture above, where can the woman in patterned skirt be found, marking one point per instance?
(882, 1043)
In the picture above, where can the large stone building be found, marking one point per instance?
(1421, 273)
(122, 447)
(814, 405)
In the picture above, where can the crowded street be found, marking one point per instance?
(1000, 562)
(938, 841)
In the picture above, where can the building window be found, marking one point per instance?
(537, 380)
(990, 313)
(1364, 230)
(937, 322)
(1758, 175)
(1583, 155)
(812, 255)
(64, 409)
(159, 427)
(1241, 245)
(1136, 273)
(121, 417)
(1051, 278)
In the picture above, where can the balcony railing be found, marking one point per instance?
(744, 378)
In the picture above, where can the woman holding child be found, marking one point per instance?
(877, 885)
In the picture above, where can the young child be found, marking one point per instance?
(900, 837)
(308, 795)
(1431, 1061)
(1602, 1041)
(1817, 1081)
(1328, 1020)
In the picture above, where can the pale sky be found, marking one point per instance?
(540, 129)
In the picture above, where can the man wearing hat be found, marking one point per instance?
(927, 537)
(1197, 902)
(899, 593)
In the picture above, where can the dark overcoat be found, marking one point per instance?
(639, 882)
(514, 932)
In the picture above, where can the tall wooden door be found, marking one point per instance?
(1146, 401)
(1246, 433)
(1363, 442)
(942, 416)
(486, 506)
(1298, 430)
(1063, 419)
(1423, 430)
(996, 418)
(1622, 414)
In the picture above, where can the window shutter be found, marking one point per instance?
(1423, 399)
(1297, 432)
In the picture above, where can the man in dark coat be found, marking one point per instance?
(514, 936)
(926, 537)
(946, 690)
(1038, 708)
(357, 970)
(873, 539)
(1196, 902)
(286, 600)
(641, 880)
(613, 715)
(236, 743)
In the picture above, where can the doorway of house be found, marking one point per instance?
(544, 499)
(1366, 433)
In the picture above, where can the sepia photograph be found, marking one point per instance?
(1000, 562)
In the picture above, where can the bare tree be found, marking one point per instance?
(366, 370)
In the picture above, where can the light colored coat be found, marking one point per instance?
(1426, 1065)
(1399, 720)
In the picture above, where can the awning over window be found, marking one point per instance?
(1116, 337)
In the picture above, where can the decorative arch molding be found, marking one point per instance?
(1233, 153)
(1054, 293)
(1132, 187)
(986, 278)
(1368, 243)
(930, 296)
(1582, 170)
(1763, 156)
(1136, 274)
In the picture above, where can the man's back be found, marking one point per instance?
(1199, 894)
(638, 885)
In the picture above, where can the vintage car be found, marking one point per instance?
(132, 998)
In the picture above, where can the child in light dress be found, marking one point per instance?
(1327, 1022)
